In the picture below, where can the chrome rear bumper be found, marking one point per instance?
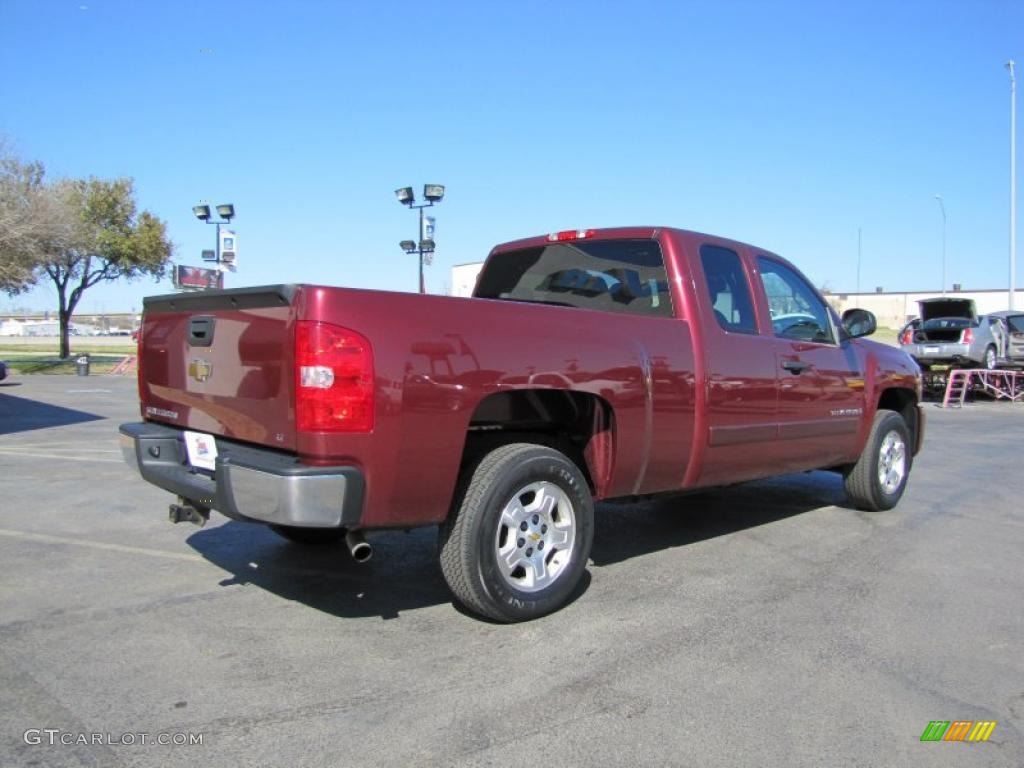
(248, 483)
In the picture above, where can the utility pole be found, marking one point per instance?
(858, 261)
(1013, 181)
(942, 206)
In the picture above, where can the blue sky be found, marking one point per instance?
(788, 125)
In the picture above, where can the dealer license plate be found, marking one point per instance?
(201, 449)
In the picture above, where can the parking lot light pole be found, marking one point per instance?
(942, 206)
(226, 211)
(423, 244)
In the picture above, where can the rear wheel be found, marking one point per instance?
(518, 539)
(879, 477)
(312, 537)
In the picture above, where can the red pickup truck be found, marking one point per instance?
(589, 365)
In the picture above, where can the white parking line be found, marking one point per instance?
(6, 452)
(47, 539)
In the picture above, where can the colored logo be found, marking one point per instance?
(200, 369)
(958, 730)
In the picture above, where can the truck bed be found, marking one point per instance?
(439, 363)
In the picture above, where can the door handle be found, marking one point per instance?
(796, 367)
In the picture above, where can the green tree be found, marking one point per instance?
(110, 241)
(76, 232)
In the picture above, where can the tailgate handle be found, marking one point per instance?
(200, 331)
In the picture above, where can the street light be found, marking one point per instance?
(227, 212)
(942, 206)
(432, 193)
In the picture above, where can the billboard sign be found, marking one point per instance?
(197, 278)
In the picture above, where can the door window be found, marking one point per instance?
(797, 311)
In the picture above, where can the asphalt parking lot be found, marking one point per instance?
(763, 625)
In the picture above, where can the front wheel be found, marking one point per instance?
(879, 477)
(988, 360)
(518, 538)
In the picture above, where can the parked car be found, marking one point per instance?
(590, 364)
(1013, 319)
(950, 332)
(3, 370)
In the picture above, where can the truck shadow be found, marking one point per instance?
(21, 414)
(623, 531)
(404, 574)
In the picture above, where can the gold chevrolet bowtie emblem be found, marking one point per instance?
(535, 536)
(200, 369)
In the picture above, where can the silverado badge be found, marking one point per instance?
(200, 369)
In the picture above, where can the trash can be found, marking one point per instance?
(82, 365)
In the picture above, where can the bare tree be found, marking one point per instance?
(34, 221)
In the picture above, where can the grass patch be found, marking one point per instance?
(53, 350)
(886, 335)
(58, 366)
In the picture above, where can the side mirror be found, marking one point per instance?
(859, 322)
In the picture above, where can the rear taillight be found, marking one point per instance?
(333, 379)
(967, 337)
(908, 336)
(138, 364)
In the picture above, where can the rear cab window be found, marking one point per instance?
(624, 275)
(728, 290)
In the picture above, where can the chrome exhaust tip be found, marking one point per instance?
(358, 546)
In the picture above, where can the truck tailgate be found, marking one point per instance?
(221, 362)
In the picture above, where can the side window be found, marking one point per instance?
(797, 311)
(728, 289)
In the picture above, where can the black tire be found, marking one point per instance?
(310, 537)
(863, 482)
(476, 532)
(988, 360)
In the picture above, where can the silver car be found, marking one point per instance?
(950, 332)
(1014, 322)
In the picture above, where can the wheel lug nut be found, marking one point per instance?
(523, 526)
(543, 529)
(540, 545)
(521, 543)
(536, 519)
(529, 552)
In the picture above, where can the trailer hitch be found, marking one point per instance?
(185, 512)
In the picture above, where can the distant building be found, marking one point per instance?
(464, 278)
(893, 309)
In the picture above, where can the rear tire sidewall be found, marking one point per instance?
(513, 603)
